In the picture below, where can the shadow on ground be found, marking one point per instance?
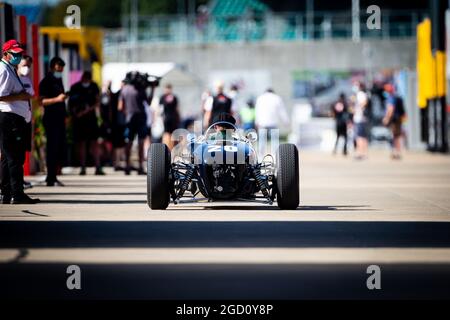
(111, 234)
(215, 281)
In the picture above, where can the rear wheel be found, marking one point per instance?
(288, 180)
(158, 169)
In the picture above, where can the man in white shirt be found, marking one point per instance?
(270, 111)
(24, 70)
(361, 122)
(14, 114)
(24, 74)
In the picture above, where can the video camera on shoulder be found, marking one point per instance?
(142, 81)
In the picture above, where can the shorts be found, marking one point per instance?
(136, 126)
(396, 128)
(170, 126)
(341, 129)
(361, 130)
(85, 131)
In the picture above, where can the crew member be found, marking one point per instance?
(221, 103)
(53, 98)
(24, 74)
(14, 114)
(84, 104)
(171, 114)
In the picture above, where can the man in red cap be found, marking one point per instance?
(15, 112)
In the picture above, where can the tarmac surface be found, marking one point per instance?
(353, 214)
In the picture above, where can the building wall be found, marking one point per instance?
(280, 59)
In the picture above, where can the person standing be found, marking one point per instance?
(341, 117)
(247, 115)
(361, 122)
(118, 126)
(395, 112)
(171, 114)
(14, 114)
(132, 101)
(84, 105)
(24, 74)
(106, 125)
(220, 103)
(270, 111)
(53, 98)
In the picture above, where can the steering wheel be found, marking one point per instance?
(228, 124)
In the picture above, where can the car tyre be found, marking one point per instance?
(288, 179)
(158, 170)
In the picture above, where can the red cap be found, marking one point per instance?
(13, 46)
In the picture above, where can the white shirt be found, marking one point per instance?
(26, 81)
(361, 102)
(208, 103)
(10, 84)
(270, 111)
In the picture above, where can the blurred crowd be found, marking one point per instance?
(96, 126)
(353, 117)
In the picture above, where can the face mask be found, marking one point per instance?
(85, 84)
(57, 74)
(105, 99)
(15, 60)
(24, 71)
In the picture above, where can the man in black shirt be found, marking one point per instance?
(171, 115)
(220, 104)
(132, 101)
(342, 117)
(84, 103)
(51, 90)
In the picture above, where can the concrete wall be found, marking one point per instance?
(280, 59)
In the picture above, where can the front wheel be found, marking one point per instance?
(288, 179)
(158, 169)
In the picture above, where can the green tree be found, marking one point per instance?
(108, 14)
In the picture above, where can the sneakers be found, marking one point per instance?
(53, 183)
(396, 156)
(360, 158)
(27, 185)
(99, 172)
(5, 199)
(24, 199)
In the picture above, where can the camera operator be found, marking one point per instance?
(133, 100)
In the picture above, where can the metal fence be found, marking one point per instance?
(280, 26)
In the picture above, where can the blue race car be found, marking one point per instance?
(222, 165)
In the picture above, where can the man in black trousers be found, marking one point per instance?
(15, 112)
(51, 90)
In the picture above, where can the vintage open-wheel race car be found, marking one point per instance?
(222, 166)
